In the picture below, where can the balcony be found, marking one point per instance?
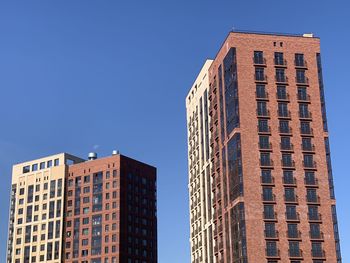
(316, 236)
(284, 131)
(303, 97)
(315, 218)
(260, 78)
(307, 132)
(300, 64)
(263, 113)
(308, 148)
(265, 147)
(281, 79)
(318, 254)
(266, 163)
(309, 165)
(267, 181)
(262, 95)
(305, 115)
(293, 217)
(280, 62)
(313, 200)
(291, 199)
(282, 97)
(293, 235)
(270, 216)
(264, 130)
(295, 254)
(289, 182)
(259, 61)
(302, 81)
(311, 182)
(272, 254)
(284, 114)
(273, 235)
(268, 198)
(287, 147)
(288, 164)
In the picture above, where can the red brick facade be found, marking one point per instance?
(110, 210)
(253, 223)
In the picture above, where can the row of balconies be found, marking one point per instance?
(261, 61)
(291, 165)
(265, 113)
(291, 199)
(280, 79)
(295, 254)
(288, 147)
(282, 97)
(292, 217)
(307, 182)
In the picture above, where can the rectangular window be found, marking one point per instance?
(49, 164)
(299, 60)
(260, 91)
(26, 169)
(300, 76)
(259, 58)
(260, 74)
(302, 94)
(285, 143)
(282, 92)
(289, 195)
(280, 75)
(34, 167)
(271, 249)
(42, 165)
(305, 127)
(269, 212)
(264, 142)
(283, 110)
(284, 127)
(304, 111)
(266, 176)
(263, 126)
(279, 60)
(56, 162)
(309, 161)
(262, 108)
(265, 159)
(287, 160)
(288, 177)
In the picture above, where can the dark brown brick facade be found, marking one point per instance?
(240, 191)
(110, 210)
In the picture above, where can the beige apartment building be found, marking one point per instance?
(199, 162)
(36, 209)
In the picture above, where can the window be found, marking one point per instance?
(259, 57)
(260, 74)
(87, 179)
(285, 143)
(304, 110)
(271, 248)
(288, 177)
(283, 109)
(305, 127)
(279, 60)
(302, 93)
(85, 221)
(280, 75)
(306, 144)
(299, 60)
(310, 178)
(284, 127)
(267, 194)
(49, 164)
(263, 126)
(289, 195)
(313, 212)
(260, 91)
(86, 189)
(269, 212)
(35, 167)
(293, 231)
(309, 160)
(300, 76)
(291, 212)
(265, 159)
(287, 160)
(56, 162)
(316, 249)
(26, 169)
(42, 165)
(264, 142)
(262, 108)
(294, 250)
(315, 230)
(311, 195)
(281, 92)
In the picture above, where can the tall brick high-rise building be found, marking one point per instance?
(273, 194)
(66, 209)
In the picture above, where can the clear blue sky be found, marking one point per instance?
(74, 74)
